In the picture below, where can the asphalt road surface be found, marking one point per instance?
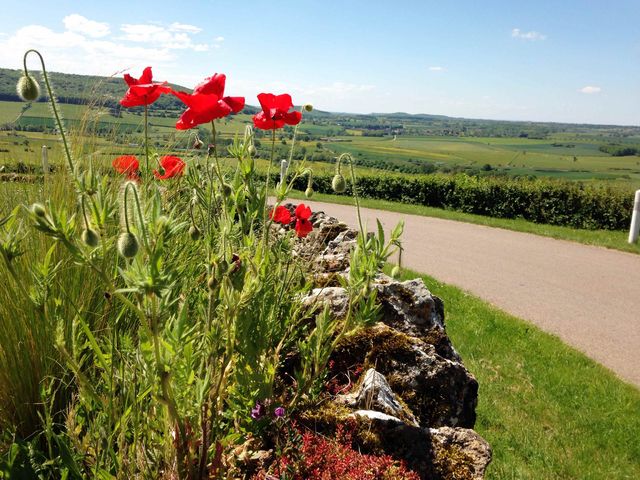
(588, 296)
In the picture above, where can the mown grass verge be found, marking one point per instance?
(547, 410)
(616, 240)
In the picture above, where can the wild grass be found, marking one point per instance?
(32, 369)
(547, 410)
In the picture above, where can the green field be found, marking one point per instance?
(567, 152)
(514, 156)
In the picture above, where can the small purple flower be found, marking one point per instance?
(279, 412)
(258, 411)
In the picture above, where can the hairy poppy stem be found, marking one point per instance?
(215, 152)
(52, 101)
(139, 210)
(84, 211)
(266, 184)
(146, 137)
(126, 209)
(347, 156)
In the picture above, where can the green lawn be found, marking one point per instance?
(547, 410)
(603, 238)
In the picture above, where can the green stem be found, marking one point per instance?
(146, 137)
(215, 152)
(266, 185)
(139, 209)
(84, 212)
(126, 209)
(353, 187)
(53, 105)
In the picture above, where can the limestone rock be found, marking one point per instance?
(459, 453)
(411, 308)
(335, 297)
(439, 392)
(376, 415)
(375, 394)
(434, 453)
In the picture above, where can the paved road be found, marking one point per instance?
(588, 296)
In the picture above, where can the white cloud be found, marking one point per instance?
(79, 24)
(72, 52)
(590, 90)
(219, 39)
(437, 69)
(176, 36)
(532, 35)
(183, 27)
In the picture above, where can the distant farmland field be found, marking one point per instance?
(571, 155)
(580, 159)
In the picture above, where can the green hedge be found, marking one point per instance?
(549, 201)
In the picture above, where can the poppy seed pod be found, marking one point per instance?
(28, 88)
(339, 184)
(395, 273)
(38, 209)
(194, 233)
(128, 245)
(308, 192)
(308, 107)
(90, 237)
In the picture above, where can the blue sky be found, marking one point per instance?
(565, 61)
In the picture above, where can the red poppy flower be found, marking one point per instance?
(275, 112)
(172, 167)
(142, 91)
(280, 215)
(126, 164)
(207, 102)
(303, 225)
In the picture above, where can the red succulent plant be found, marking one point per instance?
(142, 91)
(275, 112)
(127, 164)
(172, 166)
(207, 102)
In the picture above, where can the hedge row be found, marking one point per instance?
(548, 201)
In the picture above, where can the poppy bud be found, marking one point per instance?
(212, 283)
(197, 144)
(223, 267)
(163, 224)
(241, 203)
(194, 233)
(128, 245)
(284, 166)
(251, 150)
(308, 192)
(236, 263)
(90, 237)
(27, 88)
(395, 273)
(38, 209)
(308, 107)
(226, 189)
(338, 183)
